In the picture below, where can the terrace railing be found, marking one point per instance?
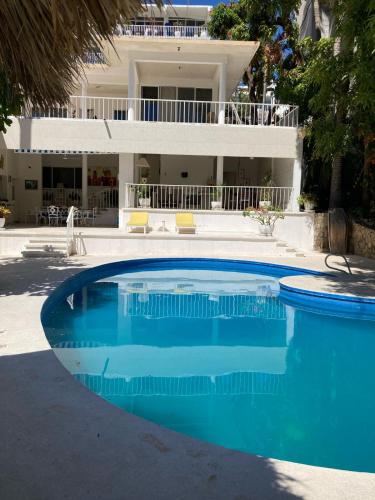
(185, 197)
(100, 197)
(171, 111)
(160, 31)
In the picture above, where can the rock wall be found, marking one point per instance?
(321, 232)
(362, 240)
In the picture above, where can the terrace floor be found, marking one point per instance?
(61, 441)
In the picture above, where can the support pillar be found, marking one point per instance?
(297, 176)
(84, 203)
(132, 84)
(222, 91)
(125, 175)
(83, 99)
(219, 170)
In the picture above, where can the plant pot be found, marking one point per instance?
(216, 205)
(2, 222)
(144, 202)
(309, 206)
(264, 203)
(265, 229)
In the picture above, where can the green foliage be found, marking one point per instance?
(255, 20)
(264, 216)
(223, 19)
(10, 102)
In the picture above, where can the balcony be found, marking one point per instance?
(160, 31)
(172, 111)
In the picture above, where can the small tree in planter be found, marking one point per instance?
(266, 218)
(216, 198)
(4, 211)
(308, 201)
(265, 193)
(143, 193)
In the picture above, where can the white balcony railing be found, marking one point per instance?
(171, 111)
(160, 31)
(181, 197)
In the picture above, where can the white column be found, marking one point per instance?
(297, 175)
(132, 89)
(222, 91)
(84, 182)
(83, 99)
(219, 170)
(125, 175)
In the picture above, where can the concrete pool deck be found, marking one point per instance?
(59, 440)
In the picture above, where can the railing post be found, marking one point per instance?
(83, 99)
(131, 90)
(222, 92)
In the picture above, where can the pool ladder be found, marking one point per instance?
(336, 268)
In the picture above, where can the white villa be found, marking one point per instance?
(153, 127)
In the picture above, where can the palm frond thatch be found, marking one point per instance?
(42, 42)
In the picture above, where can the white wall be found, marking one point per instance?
(282, 171)
(198, 168)
(27, 167)
(152, 137)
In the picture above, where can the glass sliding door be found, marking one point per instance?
(167, 107)
(203, 109)
(185, 110)
(149, 104)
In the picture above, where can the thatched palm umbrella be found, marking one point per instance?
(42, 42)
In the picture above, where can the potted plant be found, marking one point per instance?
(216, 198)
(4, 211)
(265, 193)
(143, 193)
(308, 201)
(266, 218)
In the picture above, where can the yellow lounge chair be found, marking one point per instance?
(138, 220)
(185, 221)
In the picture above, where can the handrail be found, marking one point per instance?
(162, 31)
(203, 197)
(70, 231)
(171, 111)
(336, 268)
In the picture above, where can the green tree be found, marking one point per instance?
(257, 20)
(334, 85)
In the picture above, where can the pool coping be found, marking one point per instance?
(170, 465)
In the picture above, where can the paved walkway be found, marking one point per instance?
(60, 441)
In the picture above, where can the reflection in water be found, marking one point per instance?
(217, 355)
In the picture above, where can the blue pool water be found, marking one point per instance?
(221, 355)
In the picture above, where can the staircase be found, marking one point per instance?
(45, 247)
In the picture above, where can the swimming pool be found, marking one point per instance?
(215, 350)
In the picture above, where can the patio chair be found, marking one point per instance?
(53, 215)
(185, 222)
(138, 220)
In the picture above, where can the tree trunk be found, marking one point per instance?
(335, 196)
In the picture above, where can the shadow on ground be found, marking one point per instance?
(17, 275)
(61, 441)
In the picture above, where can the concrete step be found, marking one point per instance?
(45, 246)
(291, 250)
(47, 240)
(42, 253)
(281, 244)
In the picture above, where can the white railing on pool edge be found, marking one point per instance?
(185, 197)
(70, 232)
(171, 111)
